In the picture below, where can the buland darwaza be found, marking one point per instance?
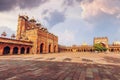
(31, 38)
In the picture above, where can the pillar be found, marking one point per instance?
(44, 51)
(19, 50)
(11, 50)
(1, 50)
(46, 47)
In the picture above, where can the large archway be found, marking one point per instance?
(22, 51)
(41, 47)
(84, 50)
(55, 48)
(28, 50)
(49, 48)
(91, 50)
(6, 50)
(15, 50)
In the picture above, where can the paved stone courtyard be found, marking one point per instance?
(61, 66)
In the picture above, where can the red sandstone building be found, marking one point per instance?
(31, 38)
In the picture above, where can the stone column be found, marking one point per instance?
(11, 50)
(19, 50)
(47, 50)
(1, 50)
(51, 48)
(44, 47)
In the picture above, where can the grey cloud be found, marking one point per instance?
(55, 18)
(30, 3)
(71, 2)
(6, 5)
(45, 12)
(68, 2)
(91, 12)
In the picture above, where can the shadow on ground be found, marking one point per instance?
(112, 60)
(46, 70)
(67, 59)
(87, 60)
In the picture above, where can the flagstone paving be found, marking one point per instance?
(61, 66)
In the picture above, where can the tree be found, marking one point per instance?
(99, 47)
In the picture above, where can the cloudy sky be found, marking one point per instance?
(73, 21)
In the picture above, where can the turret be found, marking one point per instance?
(21, 26)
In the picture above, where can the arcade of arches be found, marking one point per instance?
(15, 50)
(12, 46)
(50, 48)
(112, 48)
(82, 48)
(89, 48)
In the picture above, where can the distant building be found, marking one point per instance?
(115, 47)
(31, 38)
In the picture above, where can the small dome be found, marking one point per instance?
(116, 43)
(84, 44)
(4, 34)
(13, 36)
(32, 20)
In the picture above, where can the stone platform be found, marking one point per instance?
(61, 66)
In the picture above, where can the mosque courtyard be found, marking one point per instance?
(61, 66)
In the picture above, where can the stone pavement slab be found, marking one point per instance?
(29, 67)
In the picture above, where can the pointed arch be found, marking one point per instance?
(15, 50)
(22, 51)
(49, 48)
(41, 47)
(6, 50)
(28, 50)
(55, 48)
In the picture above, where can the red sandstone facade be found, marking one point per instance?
(31, 38)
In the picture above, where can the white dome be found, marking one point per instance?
(116, 43)
(84, 44)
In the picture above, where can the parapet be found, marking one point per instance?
(100, 38)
